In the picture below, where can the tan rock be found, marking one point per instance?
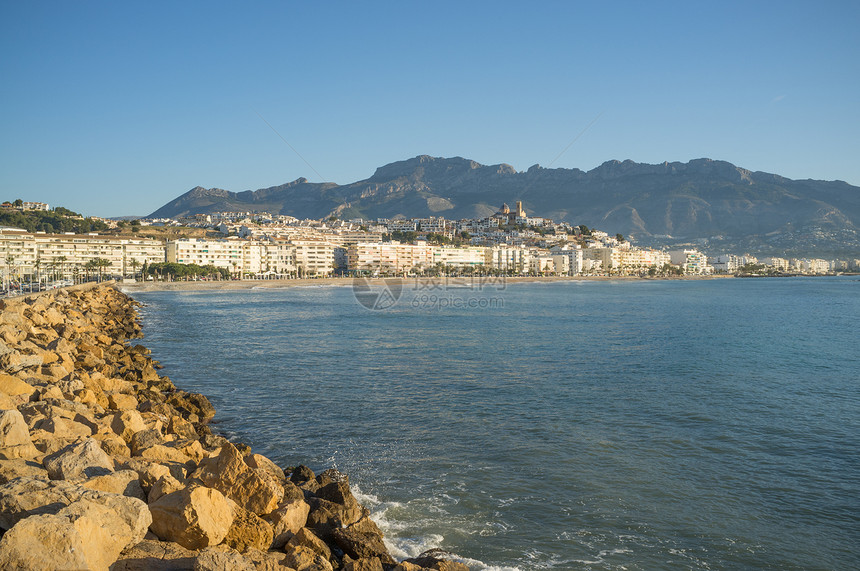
(152, 555)
(61, 427)
(24, 497)
(15, 387)
(251, 488)
(112, 444)
(303, 558)
(120, 401)
(7, 403)
(166, 484)
(150, 472)
(53, 316)
(122, 482)
(86, 459)
(265, 560)
(194, 517)
(21, 468)
(364, 564)
(191, 448)
(263, 463)
(50, 392)
(15, 437)
(182, 428)
(126, 423)
(44, 543)
(248, 530)
(220, 558)
(88, 534)
(307, 538)
(144, 439)
(161, 453)
(14, 362)
(287, 520)
(57, 370)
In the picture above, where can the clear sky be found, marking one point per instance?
(115, 108)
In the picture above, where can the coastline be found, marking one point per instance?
(106, 463)
(225, 285)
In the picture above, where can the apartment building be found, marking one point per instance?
(609, 259)
(635, 260)
(28, 254)
(514, 259)
(692, 261)
(432, 224)
(470, 256)
(314, 257)
(389, 257)
(225, 253)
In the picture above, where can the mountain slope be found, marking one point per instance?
(698, 200)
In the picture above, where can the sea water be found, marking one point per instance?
(709, 424)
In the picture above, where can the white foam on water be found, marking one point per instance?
(404, 547)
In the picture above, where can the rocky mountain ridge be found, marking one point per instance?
(701, 200)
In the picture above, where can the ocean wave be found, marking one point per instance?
(403, 546)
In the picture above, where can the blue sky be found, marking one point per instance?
(114, 108)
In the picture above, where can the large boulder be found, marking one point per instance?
(263, 463)
(87, 534)
(15, 437)
(362, 545)
(287, 520)
(249, 530)
(307, 538)
(303, 558)
(15, 387)
(123, 482)
(20, 468)
(265, 560)
(195, 407)
(438, 560)
(221, 558)
(127, 423)
(194, 517)
(365, 564)
(252, 488)
(151, 555)
(86, 459)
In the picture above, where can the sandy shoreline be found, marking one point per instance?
(280, 284)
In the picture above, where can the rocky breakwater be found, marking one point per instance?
(106, 464)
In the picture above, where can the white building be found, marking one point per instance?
(24, 254)
(692, 261)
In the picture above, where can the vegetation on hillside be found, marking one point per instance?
(55, 221)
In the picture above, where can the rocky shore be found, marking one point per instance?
(106, 464)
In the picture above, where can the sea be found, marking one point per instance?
(572, 425)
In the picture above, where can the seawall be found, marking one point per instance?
(106, 464)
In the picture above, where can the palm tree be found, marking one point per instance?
(134, 264)
(102, 264)
(61, 260)
(36, 265)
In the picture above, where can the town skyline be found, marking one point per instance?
(262, 246)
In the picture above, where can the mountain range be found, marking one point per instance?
(704, 202)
